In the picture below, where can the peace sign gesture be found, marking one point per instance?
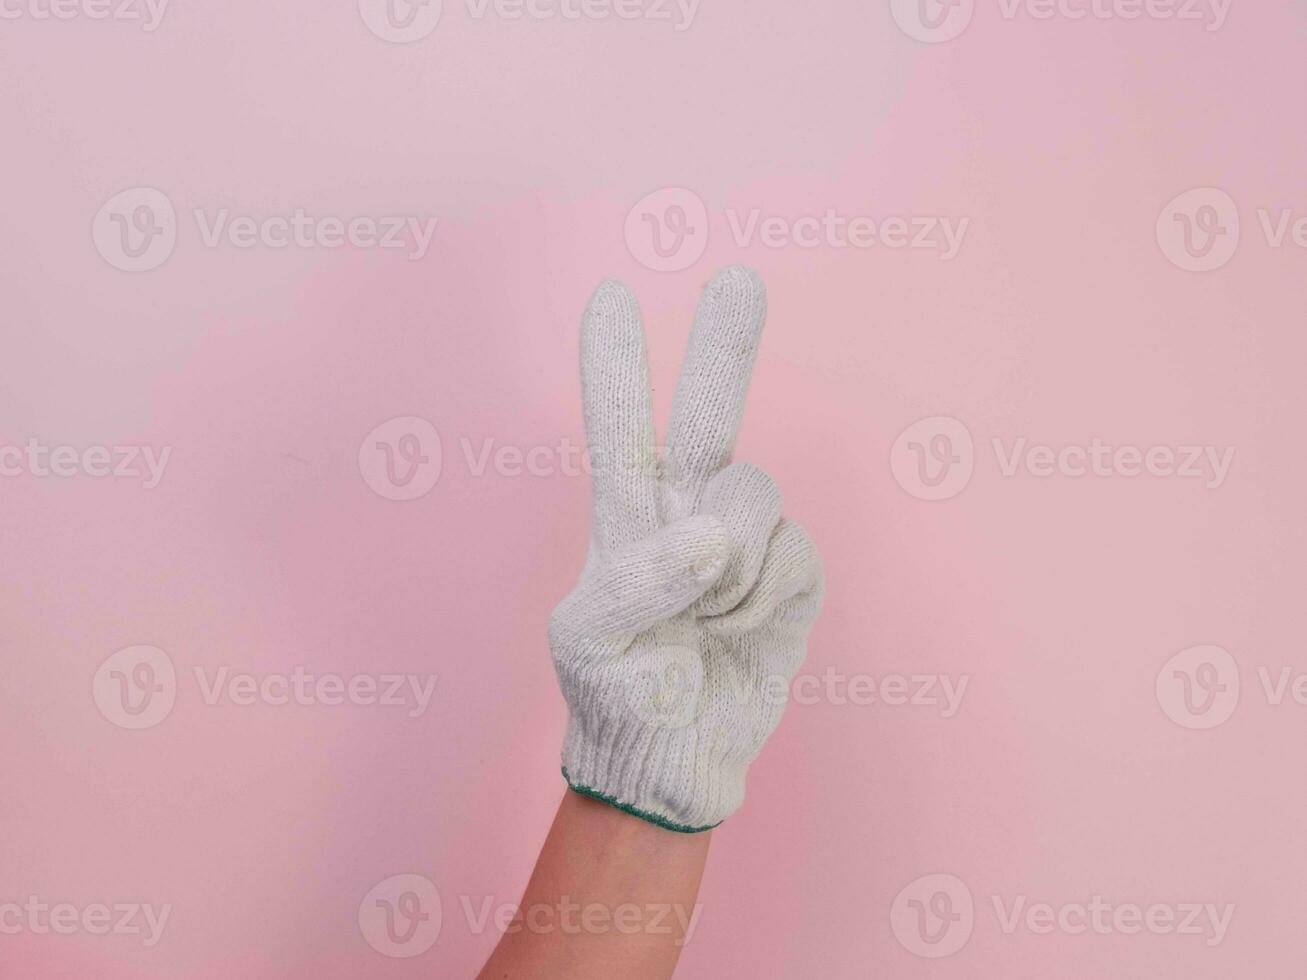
(697, 596)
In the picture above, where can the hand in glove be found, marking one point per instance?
(676, 648)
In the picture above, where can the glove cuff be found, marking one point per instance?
(665, 776)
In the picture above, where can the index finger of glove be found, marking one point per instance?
(714, 380)
(618, 417)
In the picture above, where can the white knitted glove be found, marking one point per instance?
(676, 648)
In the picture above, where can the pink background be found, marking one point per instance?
(1059, 598)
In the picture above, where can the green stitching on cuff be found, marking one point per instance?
(652, 818)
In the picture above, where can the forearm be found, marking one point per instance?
(611, 895)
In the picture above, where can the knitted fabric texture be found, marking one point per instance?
(675, 649)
